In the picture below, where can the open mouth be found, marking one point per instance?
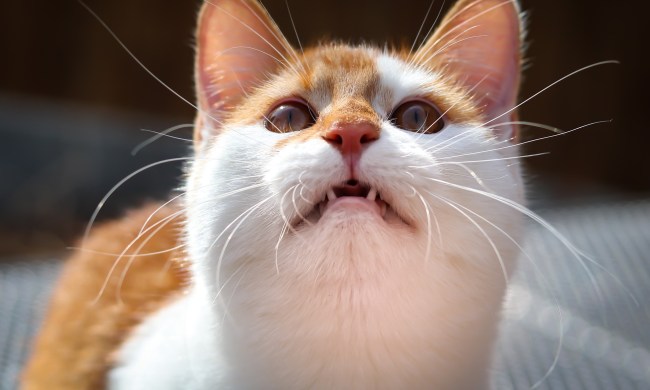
(353, 196)
(353, 189)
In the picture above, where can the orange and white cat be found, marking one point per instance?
(348, 221)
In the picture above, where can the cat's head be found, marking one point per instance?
(314, 163)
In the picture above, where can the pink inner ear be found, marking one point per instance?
(237, 46)
(479, 41)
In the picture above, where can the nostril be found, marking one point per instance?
(337, 139)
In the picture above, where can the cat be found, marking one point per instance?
(347, 221)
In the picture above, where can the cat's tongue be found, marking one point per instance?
(353, 204)
(353, 197)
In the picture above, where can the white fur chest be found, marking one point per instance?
(366, 322)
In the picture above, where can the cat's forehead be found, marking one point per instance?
(343, 78)
(341, 71)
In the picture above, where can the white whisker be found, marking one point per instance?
(269, 29)
(529, 141)
(609, 62)
(575, 252)
(545, 282)
(152, 228)
(119, 184)
(239, 220)
(482, 161)
(502, 264)
(161, 134)
(427, 254)
(141, 64)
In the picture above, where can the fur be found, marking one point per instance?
(283, 296)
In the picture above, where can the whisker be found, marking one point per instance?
(104, 253)
(427, 210)
(608, 62)
(295, 31)
(217, 296)
(141, 64)
(424, 21)
(213, 199)
(482, 161)
(162, 206)
(226, 305)
(282, 214)
(474, 175)
(295, 206)
(281, 39)
(286, 47)
(530, 124)
(529, 141)
(455, 42)
(558, 349)
(449, 142)
(123, 253)
(164, 133)
(276, 59)
(483, 232)
(575, 252)
(277, 246)
(133, 256)
(460, 12)
(159, 80)
(241, 218)
(467, 93)
(101, 203)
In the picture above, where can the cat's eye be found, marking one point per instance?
(289, 116)
(418, 116)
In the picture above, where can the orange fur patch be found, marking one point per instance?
(79, 335)
(348, 77)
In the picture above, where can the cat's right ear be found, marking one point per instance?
(238, 45)
(480, 42)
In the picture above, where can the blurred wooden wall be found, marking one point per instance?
(57, 50)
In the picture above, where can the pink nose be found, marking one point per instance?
(350, 138)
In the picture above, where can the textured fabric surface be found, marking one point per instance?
(573, 320)
(25, 286)
(589, 312)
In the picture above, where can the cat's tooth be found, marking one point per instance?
(331, 195)
(383, 209)
(372, 194)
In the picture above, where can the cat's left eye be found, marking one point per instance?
(418, 116)
(289, 116)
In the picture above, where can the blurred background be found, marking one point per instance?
(75, 109)
(73, 104)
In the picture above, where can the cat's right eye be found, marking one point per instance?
(418, 116)
(289, 116)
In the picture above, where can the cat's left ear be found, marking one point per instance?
(480, 43)
(238, 45)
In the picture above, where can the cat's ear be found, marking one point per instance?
(480, 42)
(238, 45)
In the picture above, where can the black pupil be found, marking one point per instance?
(417, 115)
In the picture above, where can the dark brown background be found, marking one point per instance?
(58, 62)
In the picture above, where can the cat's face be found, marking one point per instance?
(350, 194)
(346, 155)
